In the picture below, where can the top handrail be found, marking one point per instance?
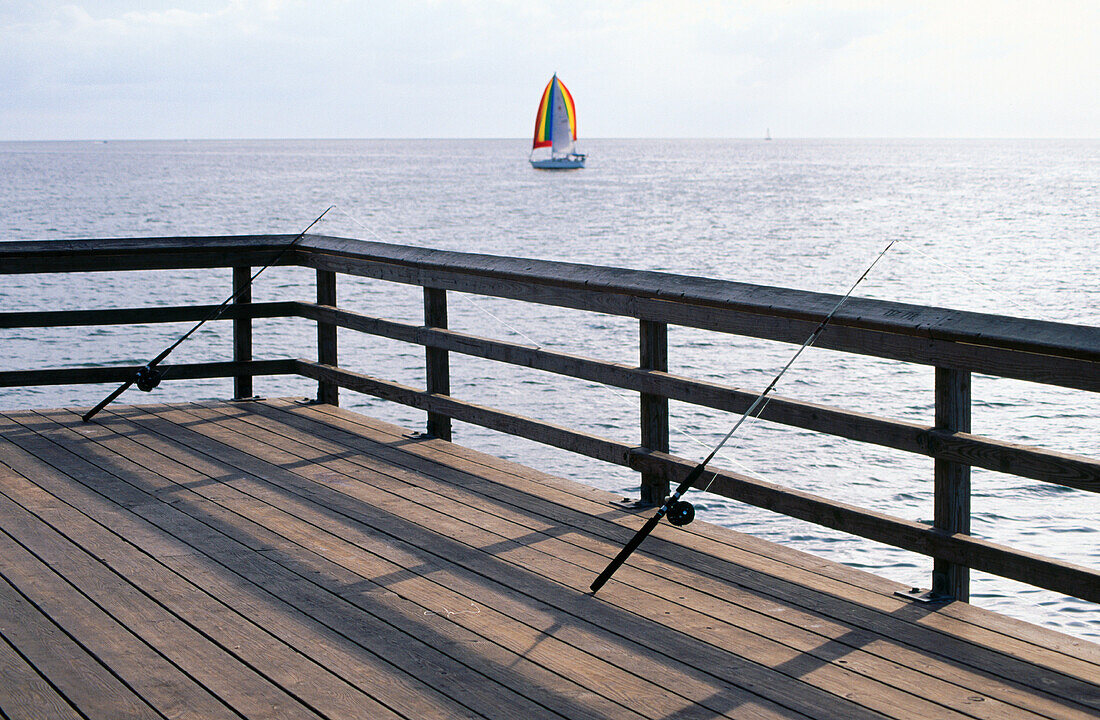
(1037, 350)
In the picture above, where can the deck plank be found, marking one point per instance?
(885, 698)
(246, 496)
(277, 559)
(51, 581)
(955, 619)
(869, 653)
(201, 531)
(844, 643)
(471, 552)
(751, 645)
(650, 693)
(263, 678)
(71, 669)
(25, 694)
(990, 655)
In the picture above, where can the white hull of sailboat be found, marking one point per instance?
(569, 162)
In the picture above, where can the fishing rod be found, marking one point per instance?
(680, 512)
(148, 377)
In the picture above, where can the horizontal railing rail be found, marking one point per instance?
(143, 315)
(122, 373)
(956, 343)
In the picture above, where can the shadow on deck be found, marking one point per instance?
(277, 559)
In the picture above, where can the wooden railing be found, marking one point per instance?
(956, 343)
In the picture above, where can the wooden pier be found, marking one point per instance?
(291, 559)
(281, 559)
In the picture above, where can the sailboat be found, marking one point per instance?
(556, 128)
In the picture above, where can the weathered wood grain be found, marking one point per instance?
(92, 604)
(25, 695)
(242, 329)
(395, 631)
(338, 459)
(251, 667)
(795, 693)
(327, 392)
(339, 538)
(501, 504)
(960, 633)
(71, 669)
(251, 621)
(131, 316)
(122, 373)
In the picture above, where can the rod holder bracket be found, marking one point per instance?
(633, 505)
(928, 597)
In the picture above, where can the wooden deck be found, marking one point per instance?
(283, 560)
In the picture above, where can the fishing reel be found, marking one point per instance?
(680, 513)
(148, 378)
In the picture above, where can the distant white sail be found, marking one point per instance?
(561, 134)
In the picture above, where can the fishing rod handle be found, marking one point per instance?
(646, 529)
(629, 548)
(86, 417)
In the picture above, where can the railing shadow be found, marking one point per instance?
(285, 492)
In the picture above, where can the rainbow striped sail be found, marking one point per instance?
(556, 127)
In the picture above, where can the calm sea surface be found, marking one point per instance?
(1010, 227)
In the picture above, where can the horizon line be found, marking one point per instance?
(773, 138)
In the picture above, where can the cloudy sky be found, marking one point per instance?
(474, 68)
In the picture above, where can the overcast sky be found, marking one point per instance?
(475, 68)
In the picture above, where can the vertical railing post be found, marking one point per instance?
(326, 337)
(242, 332)
(437, 361)
(952, 481)
(653, 355)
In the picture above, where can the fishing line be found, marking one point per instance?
(901, 244)
(751, 416)
(762, 399)
(998, 293)
(682, 513)
(148, 377)
(540, 345)
(537, 345)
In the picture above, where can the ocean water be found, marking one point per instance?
(999, 226)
